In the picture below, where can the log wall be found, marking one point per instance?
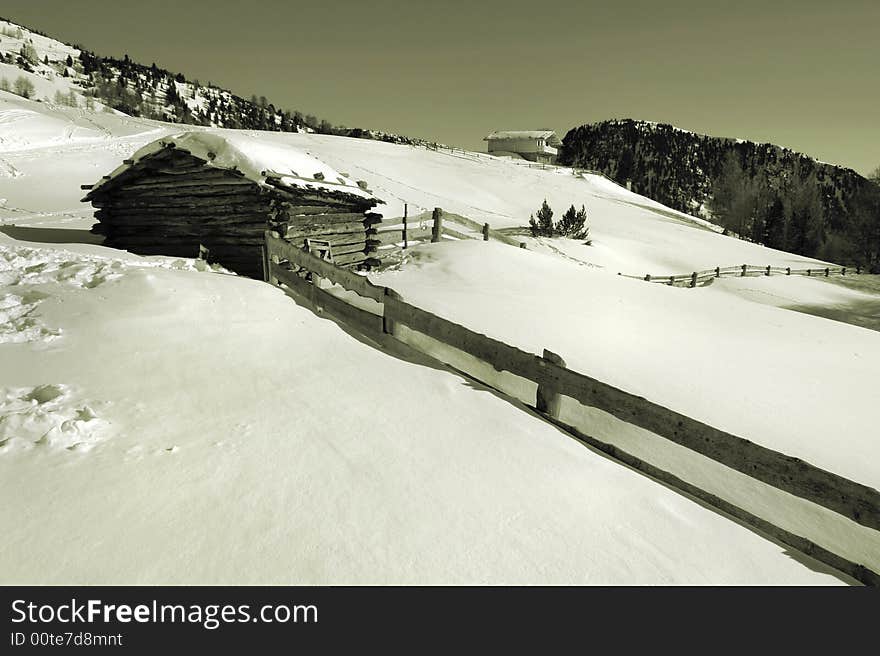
(171, 203)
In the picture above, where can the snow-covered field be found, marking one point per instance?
(166, 425)
(162, 423)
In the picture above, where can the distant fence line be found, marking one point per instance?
(475, 156)
(301, 272)
(400, 237)
(741, 271)
(411, 229)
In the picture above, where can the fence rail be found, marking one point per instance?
(405, 229)
(475, 156)
(743, 270)
(853, 500)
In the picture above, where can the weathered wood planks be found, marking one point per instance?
(171, 202)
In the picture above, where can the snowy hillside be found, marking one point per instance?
(164, 423)
(38, 67)
(196, 454)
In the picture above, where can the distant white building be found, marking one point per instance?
(533, 145)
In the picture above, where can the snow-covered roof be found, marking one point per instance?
(258, 161)
(521, 134)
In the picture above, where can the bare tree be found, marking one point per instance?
(23, 87)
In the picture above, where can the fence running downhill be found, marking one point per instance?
(696, 278)
(384, 311)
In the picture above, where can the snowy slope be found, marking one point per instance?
(763, 372)
(152, 434)
(48, 79)
(47, 152)
(631, 234)
(170, 379)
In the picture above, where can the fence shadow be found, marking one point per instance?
(52, 235)
(390, 346)
(383, 317)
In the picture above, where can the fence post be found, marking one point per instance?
(788, 271)
(485, 232)
(717, 272)
(693, 279)
(648, 277)
(672, 281)
(389, 327)
(274, 260)
(826, 272)
(548, 400)
(744, 267)
(809, 272)
(768, 270)
(265, 262)
(405, 214)
(272, 279)
(843, 271)
(437, 230)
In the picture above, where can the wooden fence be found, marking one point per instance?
(475, 156)
(411, 229)
(741, 271)
(389, 311)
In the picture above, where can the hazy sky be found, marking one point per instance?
(802, 74)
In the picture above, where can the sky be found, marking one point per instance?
(802, 74)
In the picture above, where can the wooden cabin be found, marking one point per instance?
(200, 190)
(534, 145)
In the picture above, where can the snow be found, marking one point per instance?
(254, 159)
(160, 423)
(161, 439)
(631, 234)
(519, 134)
(636, 336)
(795, 383)
(47, 79)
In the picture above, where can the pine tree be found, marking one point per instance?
(773, 221)
(533, 226)
(582, 230)
(567, 222)
(545, 219)
(574, 223)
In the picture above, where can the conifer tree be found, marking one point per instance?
(566, 223)
(545, 220)
(574, 223)
(533, 226)
(582, 230)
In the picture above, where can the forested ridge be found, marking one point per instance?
(758, 191)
